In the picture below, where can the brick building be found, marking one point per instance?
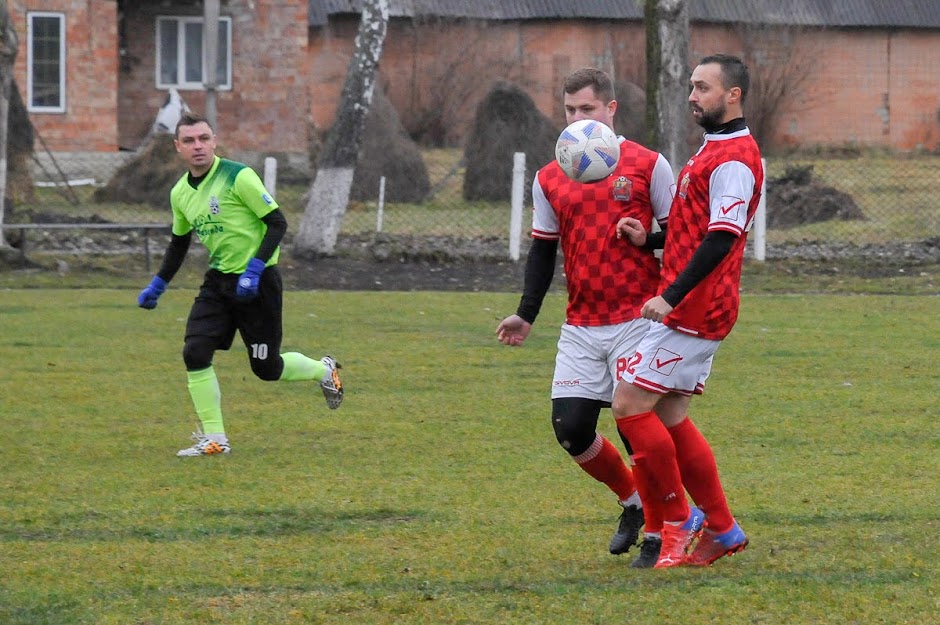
(95, 72)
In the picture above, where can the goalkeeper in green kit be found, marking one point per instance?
(227, 206)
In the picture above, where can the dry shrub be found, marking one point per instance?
(506, 121)
(388, 151)
(797, 199)
(148, 177)
(630, 118)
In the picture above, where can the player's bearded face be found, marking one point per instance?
(708, 99)
(711, 118)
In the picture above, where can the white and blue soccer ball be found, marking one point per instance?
(587, 150)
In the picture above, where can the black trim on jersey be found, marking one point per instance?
(713, 249)
(539, 271)
(277, 226)
(175, 255)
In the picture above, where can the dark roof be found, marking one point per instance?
(821, 13)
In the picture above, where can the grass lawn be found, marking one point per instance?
(437, 494)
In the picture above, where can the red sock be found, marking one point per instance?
(603, 462)
(700, 475)
(652, 510)
(655, 455)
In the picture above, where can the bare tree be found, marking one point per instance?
(667, 54)
(329, 194)
(782, 65)
(469, 58)
(8, 48)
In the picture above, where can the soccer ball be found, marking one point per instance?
(587, 150)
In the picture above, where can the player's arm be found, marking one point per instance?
(662, 189)
(540, 268)
(540, 262)
(731, 186)
(181, 236)
(632, 229)
(714, 248)
(539, 271)
(175, 255)
(277, 228)
(250, 280)
(250, 190)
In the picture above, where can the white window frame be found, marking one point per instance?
(179, 22)
(29, 63)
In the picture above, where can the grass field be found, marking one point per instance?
(436, 494)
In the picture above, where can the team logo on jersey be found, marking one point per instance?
(731, 207)
(684, 186)
(214, 205)
(622, 189)
(267, 199)
(665, 361)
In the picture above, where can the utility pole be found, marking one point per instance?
(210, 44)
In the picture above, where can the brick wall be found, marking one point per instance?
(868, 88)
(447, 68)
(91, 40)
(112, 98)
(265, 111)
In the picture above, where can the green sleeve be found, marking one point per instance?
(251, 192)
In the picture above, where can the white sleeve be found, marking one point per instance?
(730, 190)
(662, 189)
(544, 219)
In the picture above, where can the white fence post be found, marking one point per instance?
(270, 175)
(760, 220)
(518, 195)
(381, 209)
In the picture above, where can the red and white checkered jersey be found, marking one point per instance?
(718, 189)
(608, 278)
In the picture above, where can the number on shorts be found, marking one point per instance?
(628, 365)
(259, 351)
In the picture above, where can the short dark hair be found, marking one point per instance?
(188, 118)
(734, 72)
(591, 77)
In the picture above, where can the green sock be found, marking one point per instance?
(299, 367)
(207, 398)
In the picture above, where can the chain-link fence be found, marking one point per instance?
(876, 206)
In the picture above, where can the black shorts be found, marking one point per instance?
(217, 313)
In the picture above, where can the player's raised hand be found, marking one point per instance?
(512, 330)
(632, 230)
(151, 293)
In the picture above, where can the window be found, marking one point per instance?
(180, 57)
(45, 73)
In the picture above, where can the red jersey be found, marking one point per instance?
(608, 278)
(718, 189)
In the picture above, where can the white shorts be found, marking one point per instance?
(591, 360)
(668, 361)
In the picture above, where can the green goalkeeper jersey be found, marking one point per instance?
(225, 210)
